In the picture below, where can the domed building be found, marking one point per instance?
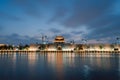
(59, 39)
(59, 42)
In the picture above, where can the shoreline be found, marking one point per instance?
(60, 51)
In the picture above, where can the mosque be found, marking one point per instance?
(59, 44)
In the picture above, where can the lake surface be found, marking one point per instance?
(59, 66)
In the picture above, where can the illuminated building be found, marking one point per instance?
(59, 39)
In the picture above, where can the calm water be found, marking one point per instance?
(58, 66)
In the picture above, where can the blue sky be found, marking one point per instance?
(24, 21)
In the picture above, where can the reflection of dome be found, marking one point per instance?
(59, 39)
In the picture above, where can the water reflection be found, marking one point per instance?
(32, 58)
(59, 66)
(119, 67)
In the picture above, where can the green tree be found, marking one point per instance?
(26, 47)
(112, 46)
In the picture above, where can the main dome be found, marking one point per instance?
(59, 39)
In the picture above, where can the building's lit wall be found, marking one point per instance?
(33, 47)
(101, 47)
(67, 48)
(2, 44)
(51, 48)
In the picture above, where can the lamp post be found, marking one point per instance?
(118, 38)
(117, 42)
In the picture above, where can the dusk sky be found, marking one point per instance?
(24, 21)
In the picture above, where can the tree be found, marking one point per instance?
(10, 47)
(101, 47)
(112, 46)
(42, 47)
(21, 47)
(26, 47)
(88, 47)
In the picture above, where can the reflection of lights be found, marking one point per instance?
(14, 56)
(86, 70)
(51, 58)
(56, 60)
(100, 62)
(119, 65)
(68, 58)
(32, 57)
(14, 60)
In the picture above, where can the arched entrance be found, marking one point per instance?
(59, 48)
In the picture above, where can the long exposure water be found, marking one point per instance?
(58, 66)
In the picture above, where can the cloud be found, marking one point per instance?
(101, 17)
(29, 7)
(87, 12)
(55, 30)
(17, 39)
(8, 16)
(106, 26)
(66, 35)
(60, 13)
(93, 13)
(1, 28)
(77, 32)
(115, 8)
(82, 12)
